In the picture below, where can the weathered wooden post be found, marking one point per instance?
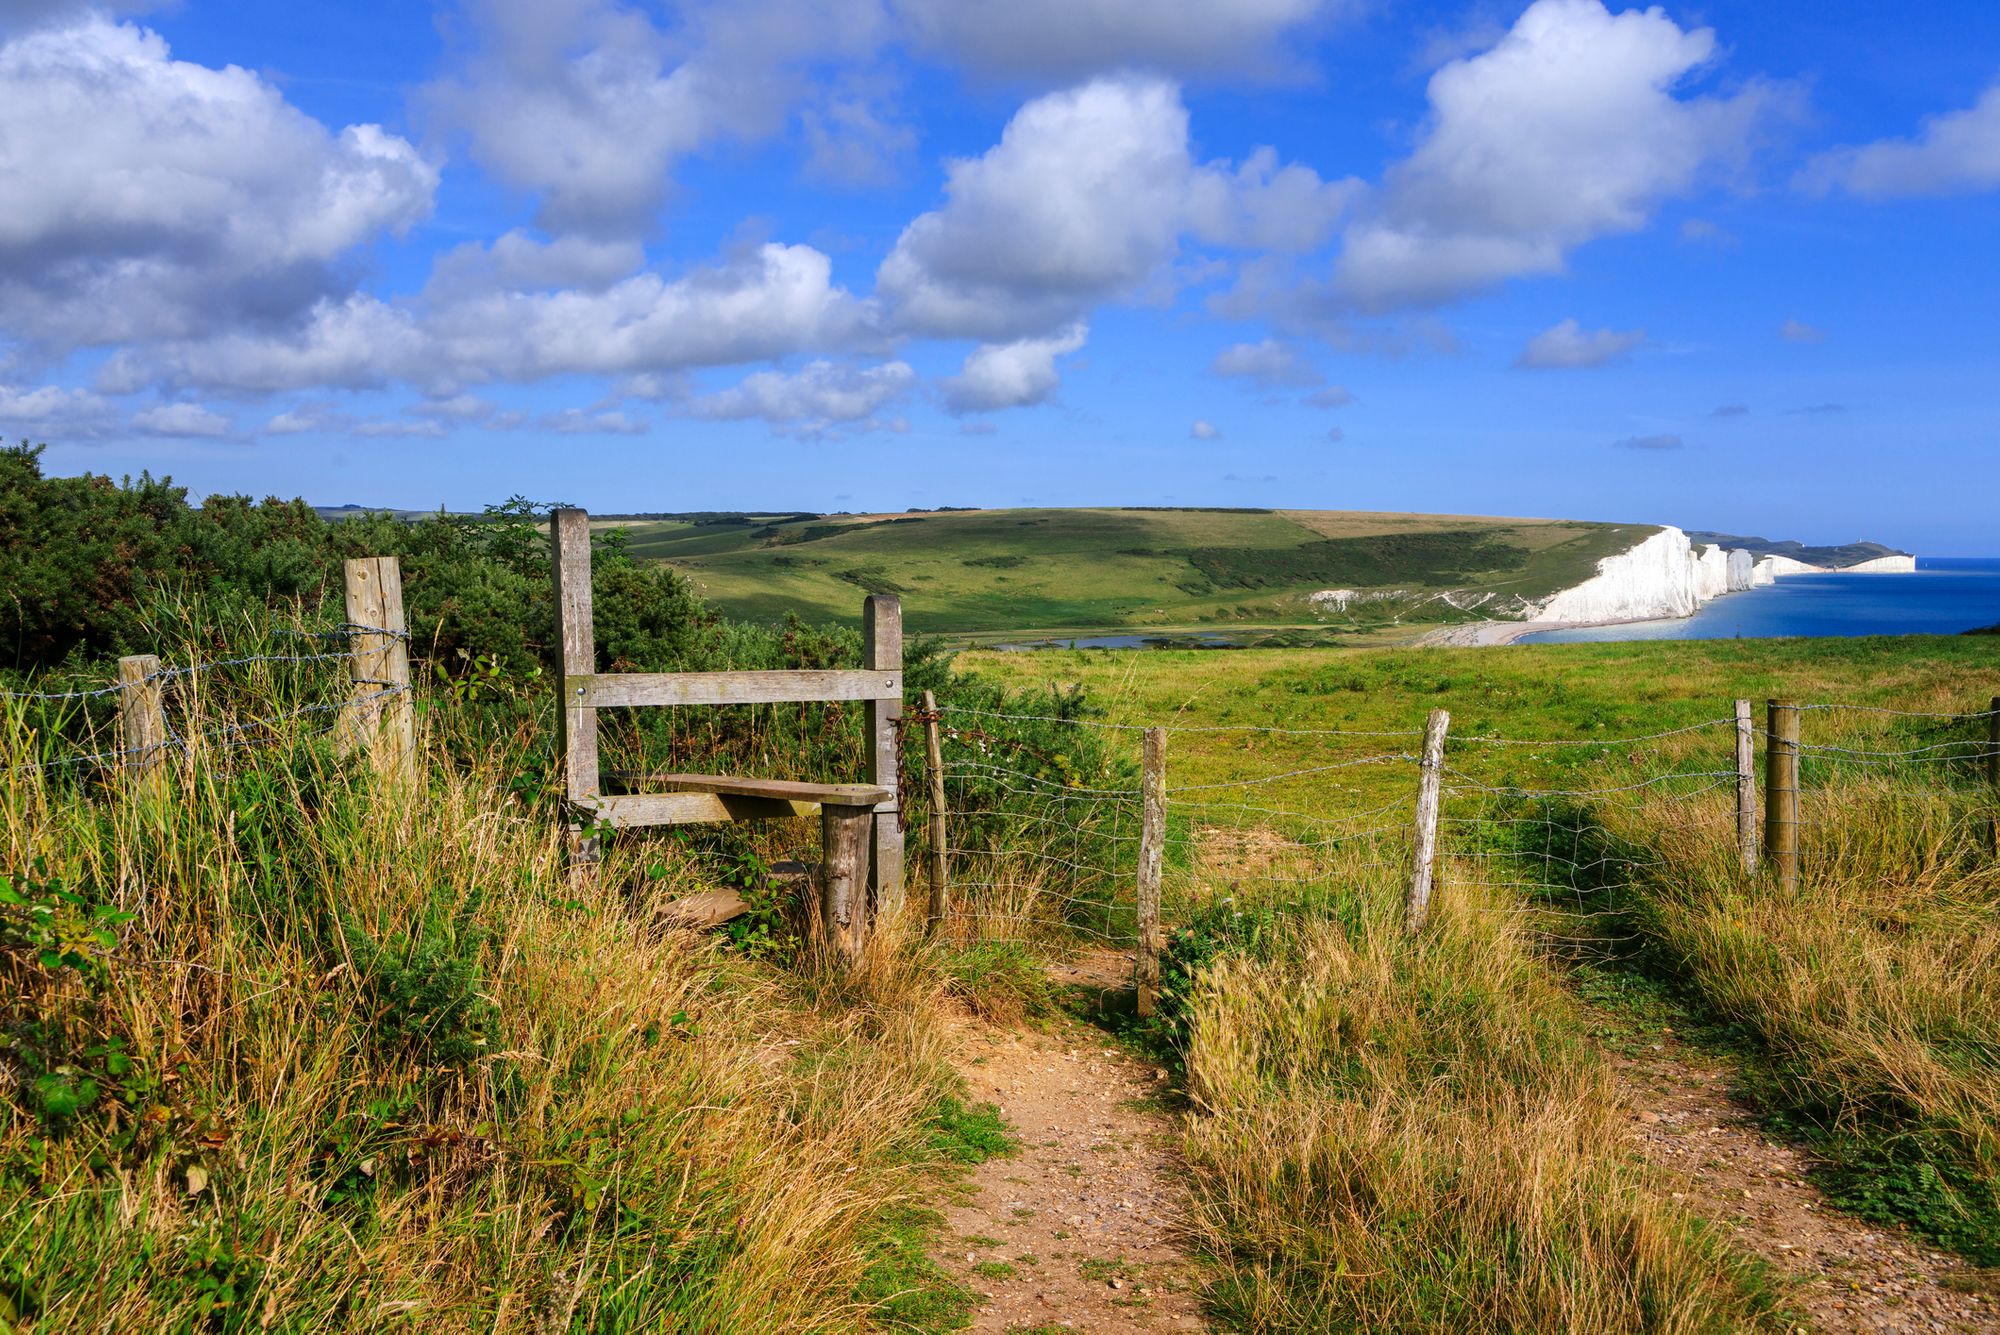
(576, 719)
(843, 885)
(1152, 843)
(882, 651)
(142, 722)
(1993, 774)
(1746, 788)
(381, 715)
(1423, 858)
(934, 764)
(1781, 792)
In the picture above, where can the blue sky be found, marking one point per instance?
(1727, 266)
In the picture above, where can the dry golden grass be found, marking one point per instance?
(1874, 986)
(1415, 1138)
(368, 1060)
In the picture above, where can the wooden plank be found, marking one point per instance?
(1152, 842)
(1746, 788)
(628, 811)
(783, 790)
(396, 754)
(142, 722)
(576, 740)
(940, 905)
(1781, 793)
(882, 651)
(843, 900)
(1423, 858)
(623, 690)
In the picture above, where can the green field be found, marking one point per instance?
(980, 573)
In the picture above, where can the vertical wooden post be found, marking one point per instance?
(1993, 774)
(1152, 842)
(576, 722)
(934, 765)
(882, 651)
(843, 883)
(382, 713)
(142, 722)
(1746, 787)
(1781, 792)
(1430, 776)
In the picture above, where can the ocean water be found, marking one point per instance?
(1946, 595)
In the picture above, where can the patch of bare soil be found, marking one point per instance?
(1853, 1276)
(1078, 1230)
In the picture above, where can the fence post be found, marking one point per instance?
(934, 762)
(1746, 787)
(576, 722)
(1993, 774)
(1781, 792)
(142, 722)
(1152, 842)
(882, 651)
(380, 711)
(843, 881)
(1417, 906)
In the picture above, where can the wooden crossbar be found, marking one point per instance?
(618, 690)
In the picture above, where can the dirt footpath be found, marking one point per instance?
(1077, 1231)
(1853, 1276)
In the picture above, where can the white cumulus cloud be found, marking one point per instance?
(1086, 196)
(1569, 129)
(181, 419)
(818, 396)
(151, 197)
(1956, 153)
(1010, 375)
(1061, 39)
(49, 412)
(1269, 364)
(590, 104)
(1205, 430)
(1569, 345)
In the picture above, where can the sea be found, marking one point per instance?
(1946, 595)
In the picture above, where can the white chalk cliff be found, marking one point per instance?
(1663, 576)
(1643, 583)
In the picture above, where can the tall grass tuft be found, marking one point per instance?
(1414, 1137)
(1873, 992)
(280, 1047)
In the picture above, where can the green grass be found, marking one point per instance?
(990, 571)
(1860, 1009)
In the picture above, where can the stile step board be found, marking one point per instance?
(693, 799)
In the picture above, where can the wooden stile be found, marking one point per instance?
(1781, 792)
(1746, 787)
(1423, 857)
(381, 715)
(882, 652)
(940, 905)
(862, 874)
(1152, 842)
(142, 722)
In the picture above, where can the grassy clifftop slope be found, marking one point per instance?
(966, 572)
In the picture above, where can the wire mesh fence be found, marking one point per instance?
(1562, 826)
(79, 734)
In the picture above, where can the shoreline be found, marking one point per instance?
(1486, 634)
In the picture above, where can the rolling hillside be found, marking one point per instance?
(978, 573)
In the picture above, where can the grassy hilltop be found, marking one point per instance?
(963, 572)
